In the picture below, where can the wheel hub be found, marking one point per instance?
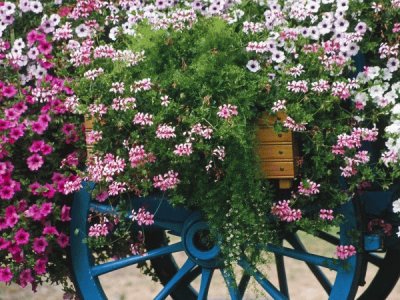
(199, 245)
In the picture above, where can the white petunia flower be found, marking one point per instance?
(396, 206)
(36, 7)
(253, 66)
(393, 64)
(82, 31)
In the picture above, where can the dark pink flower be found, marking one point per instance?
(57, 177)
(40, 266)
(22, 205)
(68, 128)
(34, 212)
(34, 188)
(4, 125)
(25, 277)
(6, 193)
(45, 47)
(36, 146)
(47, 149)
(4, 244)
(65, 213)
(31, 37)
(3, 223)
(40, 244)
(17, 132)
(50, 230)
(5, 274)
(39, 127)
(46, 209)
(63, 240)
(21, 237)
(9, 91)
(35, 162)
(49, 191)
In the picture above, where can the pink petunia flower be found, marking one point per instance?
(9, 91)
(35, 162)
(63, 240)
(25, 277)
(40, 244)
(65, 213)
(5, 274)
(21, 237)
(40, 266)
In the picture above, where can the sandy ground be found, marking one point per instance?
(129, 284)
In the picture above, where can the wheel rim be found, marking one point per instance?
(202, 259)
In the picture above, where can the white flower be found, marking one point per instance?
(361, 98)
(376, 91)
(395, 129)
(24, 5)
(82, 31)
(342, 5)
(113, 33)
(352, 49)
(8, 8)
(398, 232)
(341, 25)
(361, 27)
(372, 72)
(393, 64)
(396, 206)
(19, 44)
(278, 56)
(54, 19)
(314, 32)
(33, 53)
(396, 109)
(387, 75)
(324, 26)
(253, 65)
(36, 7)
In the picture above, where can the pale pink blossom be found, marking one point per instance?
(345, 251)
(326, 214)
(167, 181)
(183, 149)
(226, 111)
(165, 131)
(308, 188)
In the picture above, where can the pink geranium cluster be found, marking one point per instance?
(284, 212)
(106, 168)
(345, 251)
(142, 217)
(354, 141)
(308, 188)
(167, 181)
(227, 111)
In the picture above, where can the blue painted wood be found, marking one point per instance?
(264, 282)
(373, 242)
(80, 253)
(315, 259)
(281, 271)
(244, 281)
(346, 275)
(231, 285)
(206, 276)
(185, 269)
(128, 261)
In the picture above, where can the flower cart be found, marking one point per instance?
(224, 131)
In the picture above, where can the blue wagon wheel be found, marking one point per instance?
(203, 260)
